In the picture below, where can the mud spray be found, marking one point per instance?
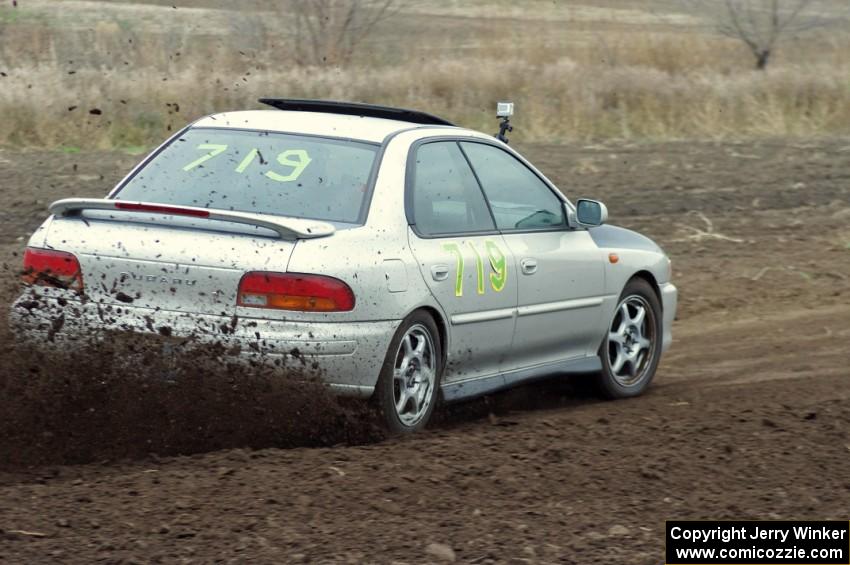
(122, 397)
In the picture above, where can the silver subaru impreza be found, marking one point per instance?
(409, 259)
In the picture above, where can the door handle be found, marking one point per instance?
(440, 272)
(529, 266)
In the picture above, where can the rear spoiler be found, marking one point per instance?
(286, 228)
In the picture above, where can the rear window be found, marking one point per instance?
(267, 173)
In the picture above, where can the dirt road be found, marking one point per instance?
(748, 418)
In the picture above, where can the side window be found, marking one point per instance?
(518, 198)
(446, 197)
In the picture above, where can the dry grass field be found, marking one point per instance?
(578, 69)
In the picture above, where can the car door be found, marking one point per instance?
(464, 260)
(561, 272)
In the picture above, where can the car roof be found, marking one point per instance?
(363, 128)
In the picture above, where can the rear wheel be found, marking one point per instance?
(632, 347)
(408, 387)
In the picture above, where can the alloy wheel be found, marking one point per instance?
(414, 375)
(631, 340)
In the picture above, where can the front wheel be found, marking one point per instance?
(631, 349)
(408, 387)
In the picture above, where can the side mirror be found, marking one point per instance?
(591, 213)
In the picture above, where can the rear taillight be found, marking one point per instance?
(293, 291)
(52, 268)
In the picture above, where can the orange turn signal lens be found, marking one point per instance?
(613, 258)
(294, 291)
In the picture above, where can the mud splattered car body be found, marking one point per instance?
(384, 246)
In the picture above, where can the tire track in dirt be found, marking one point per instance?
(791, 344)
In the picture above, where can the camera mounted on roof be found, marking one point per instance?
(504, 111)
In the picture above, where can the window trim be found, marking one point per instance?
(372, 179)
(410, 178)
(408, 186)
(565, 225)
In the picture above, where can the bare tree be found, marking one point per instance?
(328, 32)
(760, 24)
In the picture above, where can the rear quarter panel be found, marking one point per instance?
(380, 269)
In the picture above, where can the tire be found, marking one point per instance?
(413, 368)
(631, 349)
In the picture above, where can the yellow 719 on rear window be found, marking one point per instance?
(295, 158)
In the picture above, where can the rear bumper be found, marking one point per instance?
(669, 298)
(348, 356)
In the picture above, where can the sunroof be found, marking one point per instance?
(355, 109)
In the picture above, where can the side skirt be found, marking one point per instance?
(485, 385)
(353, 391)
